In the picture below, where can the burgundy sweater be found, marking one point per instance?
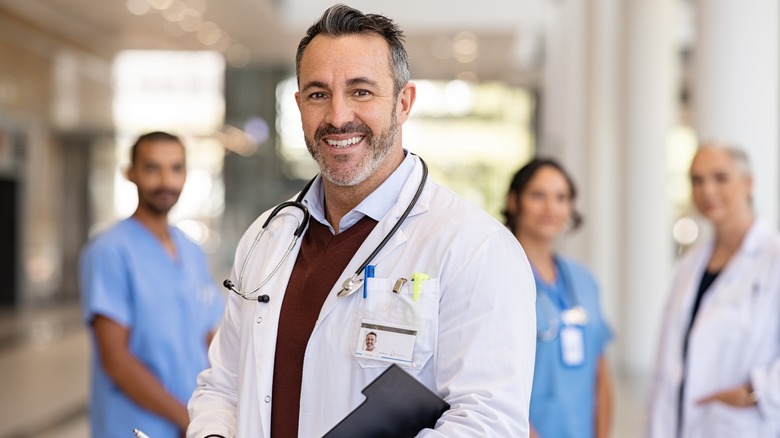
(321, 260)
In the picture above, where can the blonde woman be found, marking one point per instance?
(718, 372)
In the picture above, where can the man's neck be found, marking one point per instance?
(157, 224)
(340, 200)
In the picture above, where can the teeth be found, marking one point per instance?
(344, 143)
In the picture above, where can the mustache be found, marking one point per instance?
(166, 191)
(353, 127)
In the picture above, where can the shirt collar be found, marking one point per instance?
(375, 206)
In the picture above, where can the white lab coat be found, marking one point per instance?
(735, 338)
(475, 347)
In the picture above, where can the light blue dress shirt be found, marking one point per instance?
(375, 206)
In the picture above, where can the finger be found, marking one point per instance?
(708, 399)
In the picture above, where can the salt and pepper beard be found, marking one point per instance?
(379, 148)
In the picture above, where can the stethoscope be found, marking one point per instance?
(351, 284)
(569, 315)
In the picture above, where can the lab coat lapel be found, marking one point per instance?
(265, 257)
(740, 274)
(691, 287)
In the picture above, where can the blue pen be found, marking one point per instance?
(368, 273)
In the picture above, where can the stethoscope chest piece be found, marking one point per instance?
(350, 285)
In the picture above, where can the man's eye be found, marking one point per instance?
(362, 93)
(317, 96)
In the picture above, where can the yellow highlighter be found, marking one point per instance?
(417, 281)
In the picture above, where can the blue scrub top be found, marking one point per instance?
(563, 396)
(170, 306)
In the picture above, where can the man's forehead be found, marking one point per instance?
(346, 60)
(152, 148)
(354, 46)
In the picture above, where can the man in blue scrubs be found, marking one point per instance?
(151, 305)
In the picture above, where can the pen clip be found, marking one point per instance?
(399, 284)
(367, 273)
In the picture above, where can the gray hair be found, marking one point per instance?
(737, 154)
(339, 20)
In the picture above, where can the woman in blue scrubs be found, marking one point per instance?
(571, 394)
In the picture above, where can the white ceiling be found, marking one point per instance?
(507, 33)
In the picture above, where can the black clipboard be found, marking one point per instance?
(396, 406)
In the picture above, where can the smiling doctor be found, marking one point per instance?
(289, 360)
(718, 372)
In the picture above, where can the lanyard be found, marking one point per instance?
(564, 301)
(567, 304)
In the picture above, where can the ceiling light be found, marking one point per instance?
(160, 4)
(466, 47)
(137, 7)
(198, 5)
(224, 43)
(191, 20)
(209, 33)
(175, 12)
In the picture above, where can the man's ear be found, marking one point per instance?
(406, 98)
(129, 173)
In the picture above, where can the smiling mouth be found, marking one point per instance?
(344, 143)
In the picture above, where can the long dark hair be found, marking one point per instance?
(525, 175)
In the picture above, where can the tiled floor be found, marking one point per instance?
(44, 358)
(43, 372)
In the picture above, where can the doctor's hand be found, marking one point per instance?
(739, 397)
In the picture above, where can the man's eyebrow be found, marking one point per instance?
(351, 82)
(313, 84)
(361, 81)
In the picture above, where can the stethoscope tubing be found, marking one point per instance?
(397, 224)
(298, 203)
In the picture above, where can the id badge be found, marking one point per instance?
(388, 342)
(572, 345)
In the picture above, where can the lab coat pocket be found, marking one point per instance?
(724, 421)
(731, 312)
(394, 327)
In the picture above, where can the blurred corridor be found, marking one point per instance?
(619, 91)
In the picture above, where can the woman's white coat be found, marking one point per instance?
(735, 339)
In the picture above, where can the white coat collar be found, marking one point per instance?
(741, 264)
(756, 238)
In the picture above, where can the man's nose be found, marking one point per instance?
(339, 111)
(168, 177)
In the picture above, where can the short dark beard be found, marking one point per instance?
(379, 147)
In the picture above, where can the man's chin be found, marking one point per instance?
(160, 210)
(342, 179)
